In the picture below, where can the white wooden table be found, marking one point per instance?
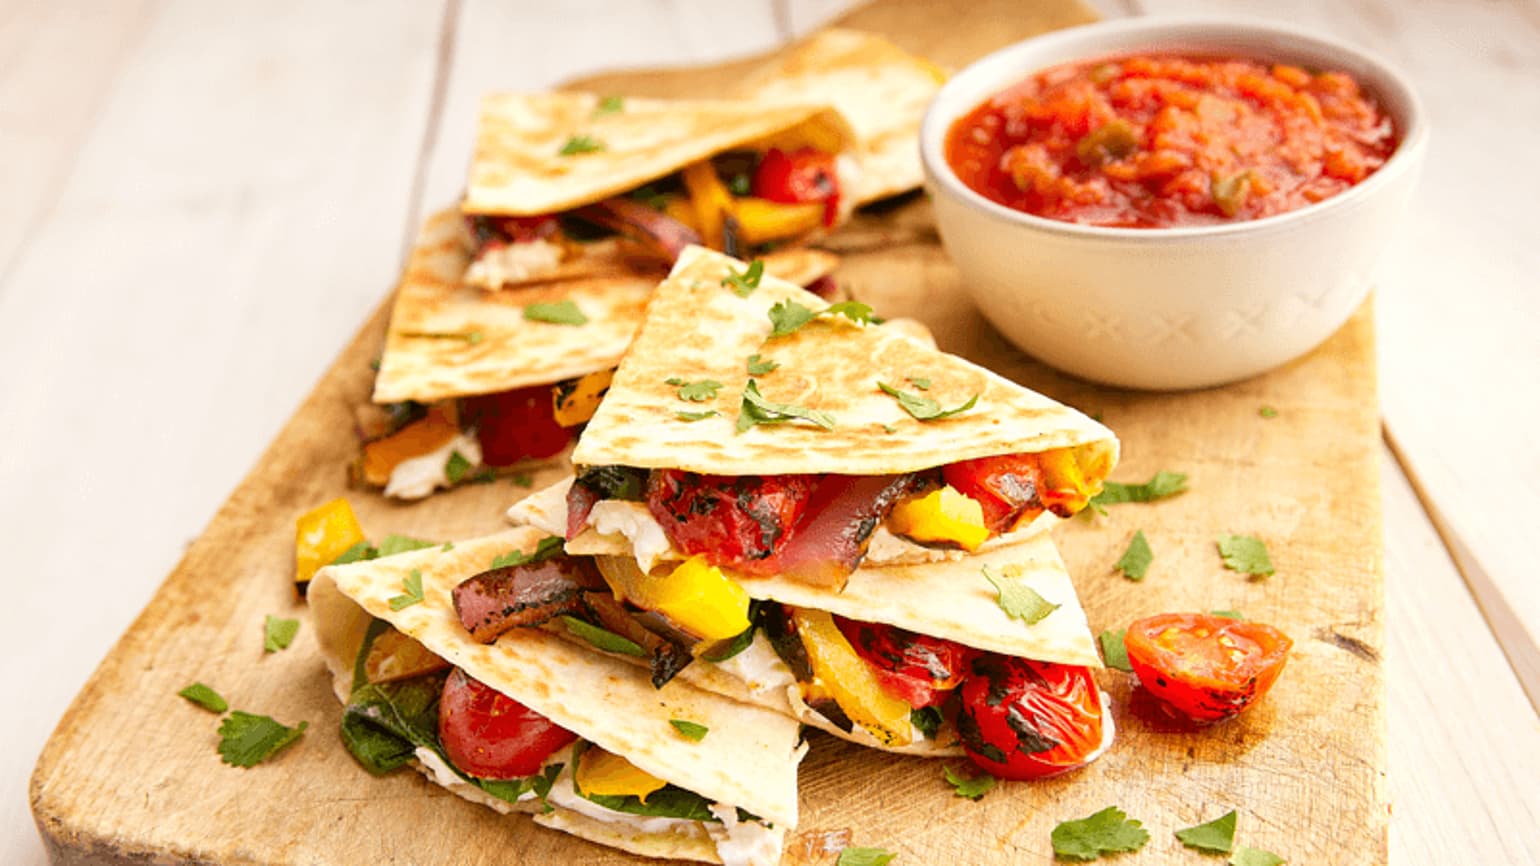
(199, 202)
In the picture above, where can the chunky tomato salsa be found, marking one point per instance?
(1161, 141)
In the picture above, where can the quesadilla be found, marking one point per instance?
(774, 434)
(881, 90)
(564, 185)
(534, 723)
(886, 661)
(472, 382)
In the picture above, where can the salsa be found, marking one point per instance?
(1163, 141)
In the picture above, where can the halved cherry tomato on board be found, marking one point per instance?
(920, 669)
(516, 425)
(800, 176)
(492, 736)
(731, 520)
(1204, 667)
(1023, 719)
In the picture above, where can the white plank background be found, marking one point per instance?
(201, 201)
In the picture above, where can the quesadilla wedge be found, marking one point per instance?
(911, 659)
(771, 433)
(537, 724)
(472, 382)
(880, 88)
(565, 184)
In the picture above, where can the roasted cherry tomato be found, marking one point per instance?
(801, 176)
(517, 425)
(728, 519)
(1006, 486)
(496, 231)
(492, 736)
(1206, 668)
(920, 669)
(1023, 719)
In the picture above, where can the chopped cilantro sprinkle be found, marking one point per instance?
(1268, 412)
(1114, 650)
(1245, 554)
(456, 467)
(924, 408)
(695, 392)
(278, 633)
(610, 105)
(1017, 599)
(581, 144)
(854, 856)
(557, 313)
(696, 416)
(1103, 832)
(743, 284)
(760, 366)
(1217, 835)
(247, 740)
(1137, 558)
(205, 697)
(1159, 487)
(690, 730)
(755, 409)
(545, 549)
(1244, 856)
(969, 787)
(412, 592)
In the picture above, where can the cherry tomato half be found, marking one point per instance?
(1023, 719)
(916, 668)
(805, 175)
(1007, 486)
(731, 520)
(513, 426)
(492, 736)
(1206, 667)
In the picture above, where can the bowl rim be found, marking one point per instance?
(1106, 38)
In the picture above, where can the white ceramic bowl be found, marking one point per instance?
(1179, 307)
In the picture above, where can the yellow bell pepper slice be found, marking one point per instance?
(696, 596)
(850, 680)
(577, 400)
(944, 516)
(320, 536)
(762, 221)
(711, 199)
(394, 656)
(608, 774)
(1065, 490)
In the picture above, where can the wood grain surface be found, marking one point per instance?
(131, 774)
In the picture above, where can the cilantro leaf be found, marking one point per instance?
(924, 408)
(205, 697)
(545, 549)
(927, 720)
(1162, 485)
(695, 392)
(855, 311)
(581, 144)
(919, 382)
(743, 284)
(603, 638)
(523, 479)
(759, 366)
(412, 587)
(1217, 835)
(394, 544)
(362, 550)
(1227, 614)
(1019, 600)
(1103, 832)
(557, 313)
(247, 740)
(1114, 651)
(448, 546)
(787, 316)
(690, 730)
(1267, 412)
(864, 857)
(1244, 856)
(610, 105)
(456, 467)
(278, 633)
(1246, 554)
(696, 416)
(755, 409)
(1137, 558)
(485, 476)
(969, 787)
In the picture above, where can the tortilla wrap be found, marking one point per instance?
(447, 339)
(748, 759)
(518, 168)
(696, 328)
(881, 90)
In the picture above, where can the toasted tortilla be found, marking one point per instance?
(749, 759)
(881, 89)
(697, 329)
(447, 339)
(518, 168)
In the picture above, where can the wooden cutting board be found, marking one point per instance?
(131, 774)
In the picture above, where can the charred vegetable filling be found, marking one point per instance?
(741, 203)
(817, 528)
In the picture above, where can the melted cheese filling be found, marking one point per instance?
(517, 262)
